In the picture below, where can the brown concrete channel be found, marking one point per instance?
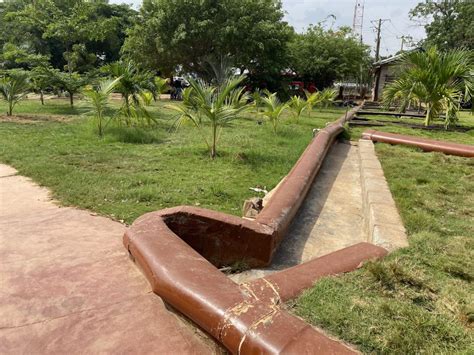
(180, 250)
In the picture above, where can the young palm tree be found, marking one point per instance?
(99, 99)
(213, 107)
(326, 97)
(312, 99)
(273, 110)
(297, 105)
(14, 88)
(131, 85)
(257, 98)
(437, 80)
(161, 86)
(146, 97)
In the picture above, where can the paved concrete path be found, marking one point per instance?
(67, 286)
(330, 217)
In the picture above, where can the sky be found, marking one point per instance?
(301, 13)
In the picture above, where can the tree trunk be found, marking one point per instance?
(100, 126)
(214, 143)
(41, 97)
(428, 115)
(10, 108)
(71, 99)
(127, 105)
(127, 111)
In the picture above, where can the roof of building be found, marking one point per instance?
(393, 59)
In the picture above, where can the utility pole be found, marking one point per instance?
(377, 41)
(378, 29)
(405, 40)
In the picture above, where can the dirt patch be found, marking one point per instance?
(34, 118)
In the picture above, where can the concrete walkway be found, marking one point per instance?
(331, 217)
(67, 286)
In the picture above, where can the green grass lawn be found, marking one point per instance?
(135, 170)
(420, 299)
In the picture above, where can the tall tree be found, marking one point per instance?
(186, 34)
(324, 56)
(72, 33)
(449, 24)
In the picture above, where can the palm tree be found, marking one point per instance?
(14, 88)
(161, 86)
(439, 81)
(273, 109)
(131, 85)
(146, 97)
(326, 97)
(297, 105)
(99, 99)
(257, 98)
(214, 107)
(322, 98)
(312, 99)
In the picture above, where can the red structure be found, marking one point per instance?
(179, 250)
(428, 145)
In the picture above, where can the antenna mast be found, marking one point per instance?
(358, 21)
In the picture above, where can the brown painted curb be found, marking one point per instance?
(428, 145)
(247, 318)
(290, 282)
(179, 250)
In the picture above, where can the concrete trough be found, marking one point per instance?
(180, 250)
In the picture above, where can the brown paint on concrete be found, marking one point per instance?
(67, 286)
(244, 318)
(179, 249)
(220, 238)
(428, 145)
(290, 282)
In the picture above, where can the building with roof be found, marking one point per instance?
(385, 72)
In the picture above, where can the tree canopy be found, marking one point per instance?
(168, 37)
(449, 23)
(187, 34)
(73, 34)
(324, 56)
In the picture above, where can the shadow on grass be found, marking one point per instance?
(256, 158)
(135, 135)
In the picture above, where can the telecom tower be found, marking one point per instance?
(358, 18)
